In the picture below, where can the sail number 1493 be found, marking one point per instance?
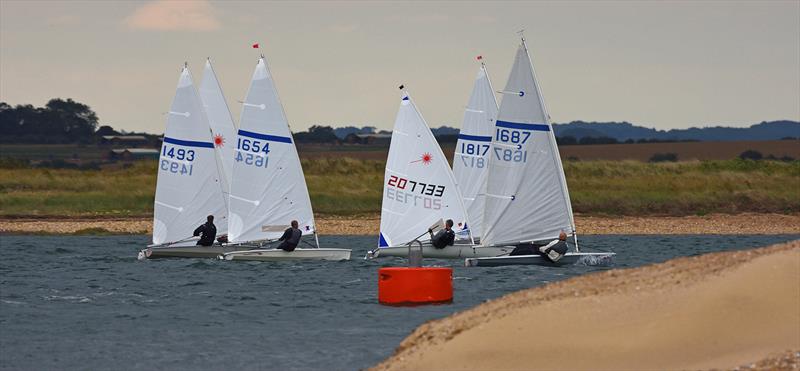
(177, 160)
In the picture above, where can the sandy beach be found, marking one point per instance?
(369, 224)
(715, 311)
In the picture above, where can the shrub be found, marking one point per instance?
(664, 157)
(751, 155)
(599, 140)
(566, 141)
(13, 163)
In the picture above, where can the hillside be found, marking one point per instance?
(772, 130)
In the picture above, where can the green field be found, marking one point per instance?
(345, 186)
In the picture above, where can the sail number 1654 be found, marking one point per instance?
(252, 152)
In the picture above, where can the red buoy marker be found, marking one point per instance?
(415, 285)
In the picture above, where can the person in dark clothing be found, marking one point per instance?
(291, 237)
(556, 249)
(445, 237)
(553, 251)
(207, 232)
(526, 249)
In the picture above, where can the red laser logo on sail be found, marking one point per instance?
(426, 159)
(219, 141)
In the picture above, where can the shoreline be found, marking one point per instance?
(711, 311)
(733, 224)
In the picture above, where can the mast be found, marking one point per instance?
(557, 157)
(526, 198)
(268, 188)
(419, 187)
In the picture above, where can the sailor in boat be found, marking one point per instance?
(553, 251)
(291, 237)
(207, 232)
(445, 237)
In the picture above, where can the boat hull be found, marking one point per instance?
(568, 259)
(189, 251)
(449, 252)
(280, 255)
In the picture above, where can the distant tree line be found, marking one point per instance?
(571, 141)
(317, 134)
(59, 121)
(68, 121)
(757, 156)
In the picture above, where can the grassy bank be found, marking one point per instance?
(684, 188)
(344, 186)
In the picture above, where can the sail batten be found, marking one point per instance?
(188, 185)
(528, 197)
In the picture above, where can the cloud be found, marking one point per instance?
(173, 15)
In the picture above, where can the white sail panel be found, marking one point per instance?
(268, 189)
(188, 186)
(527, 196)
(223, 130)
(419, 188)
(471, 159)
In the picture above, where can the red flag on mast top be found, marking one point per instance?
(480, 57)
(255, 46)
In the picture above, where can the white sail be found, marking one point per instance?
(419, 188)
(268, 189)
(471, 159)
(219, 117)
(527, 197)
(188, 187)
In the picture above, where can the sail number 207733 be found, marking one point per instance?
(177, 160)
(511, 137)
(407, 191)
(252, 152)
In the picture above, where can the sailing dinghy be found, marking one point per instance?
(527, 200)
(190, 182)
(419, 190)
(268, 189)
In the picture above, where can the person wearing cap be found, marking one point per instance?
(445, 237)
(291, 237)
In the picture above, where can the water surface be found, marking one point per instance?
(87, 303)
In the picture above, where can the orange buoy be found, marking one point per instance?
(415, 285)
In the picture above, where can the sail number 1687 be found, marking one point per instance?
(512, 136)
(518, 137)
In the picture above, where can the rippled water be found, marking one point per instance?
(87, 303)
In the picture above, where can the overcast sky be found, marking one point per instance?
(658, 64)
